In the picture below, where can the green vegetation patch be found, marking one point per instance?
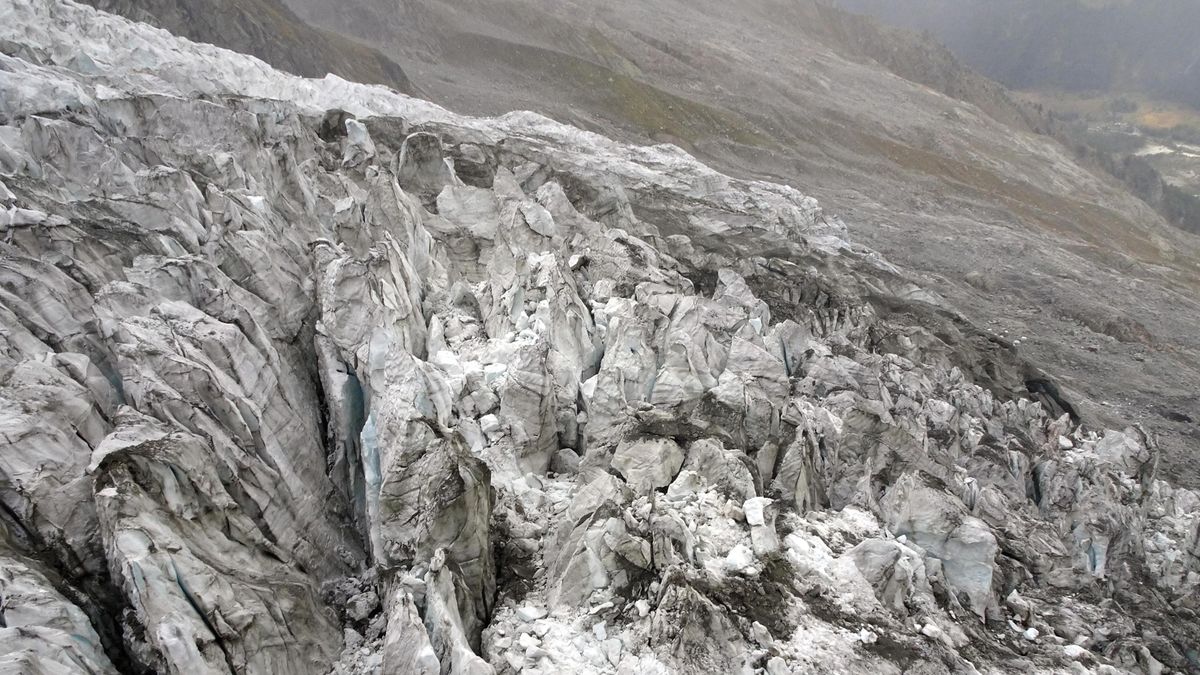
(621, 97)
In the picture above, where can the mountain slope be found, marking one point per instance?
(394, 390)
(1147, 46)
(269, 30)
(1000, 220)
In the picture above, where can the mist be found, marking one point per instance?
(1148, 47)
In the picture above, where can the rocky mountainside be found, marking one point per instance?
(269, 30)
(927, 162)
(306, 376)
(1103, 72)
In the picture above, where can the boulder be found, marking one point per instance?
(648, 464)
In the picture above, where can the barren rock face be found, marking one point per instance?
(453, 395)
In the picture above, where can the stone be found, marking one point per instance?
(359, 148)
(613, 648)
(352, 639)
(761, 635)
(362, 606)
(530, 614)
(648, 464)
(421, 166)
(528, 641)
(760, 514)
(777, 666)
(895, 571)
(697, 632)
(565, 461)
(740, 560)
(728, 470)
(333, 125)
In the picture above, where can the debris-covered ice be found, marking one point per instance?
(309, 376)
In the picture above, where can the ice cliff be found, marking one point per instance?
(306, 376)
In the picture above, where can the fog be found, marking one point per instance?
(1148, 46)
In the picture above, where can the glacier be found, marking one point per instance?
(309, 376)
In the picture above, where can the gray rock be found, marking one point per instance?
(760, 516)
(565, 461)
(728, 470)
(697, 633)
(648, 464)
(421, 167)
(362, 606)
